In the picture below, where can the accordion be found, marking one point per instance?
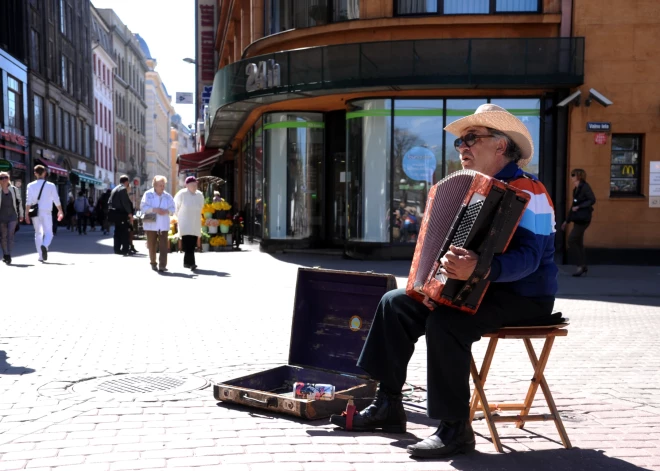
(466, 209)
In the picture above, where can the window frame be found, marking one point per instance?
(38, 119)
(640, 167)
(492, 10)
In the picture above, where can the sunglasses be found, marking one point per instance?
(4, 178)
(572, 174)
(469, 140)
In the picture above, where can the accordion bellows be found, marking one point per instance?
(466, 209)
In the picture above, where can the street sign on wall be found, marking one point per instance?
(654, 184)
(600, 138)
(599, 127)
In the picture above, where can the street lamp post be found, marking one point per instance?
(192, 61)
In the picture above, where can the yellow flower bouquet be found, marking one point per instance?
(217, 241)
(221, 206)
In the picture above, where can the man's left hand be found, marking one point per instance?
(60, 215)
(458, 263)
(575, 208)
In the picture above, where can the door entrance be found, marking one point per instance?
(335, 178)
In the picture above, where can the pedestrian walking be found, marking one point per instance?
(70, 215)
(41, 195)
(189, 203)
(580, 215)
(157, 206)
(91, 214)
(11, 214)
(81, 205)
(102, 211)
(120, 212)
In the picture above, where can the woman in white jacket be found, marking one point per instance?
(11, 213)
(189, 203)
(157, 206)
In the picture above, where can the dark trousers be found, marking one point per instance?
(576, 243)
(82, 223)
(400, 320)
(121, 242)
(189, 244)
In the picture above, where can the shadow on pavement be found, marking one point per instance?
(7, 369)
(636, 285)
(199, 271)
(175, 275)
(576, 459)
(19, 265)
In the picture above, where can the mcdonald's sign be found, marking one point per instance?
(627, 171)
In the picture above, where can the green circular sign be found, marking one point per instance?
(5, 165)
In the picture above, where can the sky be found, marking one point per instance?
(168, 27)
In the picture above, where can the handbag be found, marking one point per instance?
(34, 209)
(152, 217)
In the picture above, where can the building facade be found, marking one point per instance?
(103, 67)
(14, 128)
(129, 105)
(61, 92)
(159, 114)
(616, 144)
(182, 142)
(330, 118)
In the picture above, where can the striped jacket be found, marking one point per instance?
(528, 268)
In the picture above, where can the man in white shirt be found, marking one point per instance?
(43, 222)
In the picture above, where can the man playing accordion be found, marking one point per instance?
(522, 289)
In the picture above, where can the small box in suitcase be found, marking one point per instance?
(332, 314)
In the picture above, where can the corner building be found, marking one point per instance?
(333, 114)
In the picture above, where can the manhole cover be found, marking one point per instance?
(150, 384)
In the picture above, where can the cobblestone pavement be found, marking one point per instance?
(87, 314)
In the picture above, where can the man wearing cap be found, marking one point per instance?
(524, 282)
(189, 203)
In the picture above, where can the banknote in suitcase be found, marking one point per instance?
(333, 311)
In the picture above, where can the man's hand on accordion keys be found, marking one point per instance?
(458, 263)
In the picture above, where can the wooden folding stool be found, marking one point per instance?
(479, 400)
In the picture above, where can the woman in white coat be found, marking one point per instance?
(189, 203)
(157, 206)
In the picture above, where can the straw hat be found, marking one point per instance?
(496, 117)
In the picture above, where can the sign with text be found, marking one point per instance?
(5, 165)
(206, 58)
(206, 94)
(184, 98)
(266, 74)
(600, 138)
(419, 164)
(599, 127)
(654, 184)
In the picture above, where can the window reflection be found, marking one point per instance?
(457, 109)
(294, 156)
(527, 110)
(368, 170)
(283, 15)
(417, 156)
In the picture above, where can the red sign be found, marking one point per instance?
(136, 182)
(600, 138)
(13, 138)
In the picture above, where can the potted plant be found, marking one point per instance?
(205, 242)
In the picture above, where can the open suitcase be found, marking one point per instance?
(333, 311)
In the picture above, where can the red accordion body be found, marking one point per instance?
(466, 209)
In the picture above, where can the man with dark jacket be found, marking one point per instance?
(102, 211)
(121, 213)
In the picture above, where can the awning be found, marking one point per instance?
(54, 168)
(87, 178)
(198, 160)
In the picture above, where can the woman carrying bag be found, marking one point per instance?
(11, 213)
(580, 216)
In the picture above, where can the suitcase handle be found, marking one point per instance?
(269, 402)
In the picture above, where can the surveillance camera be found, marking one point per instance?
(575, 97)
(600, 98)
